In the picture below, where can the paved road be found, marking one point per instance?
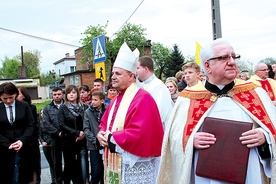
(45, 176)
(45, 171)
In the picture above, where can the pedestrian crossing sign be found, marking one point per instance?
(99, 49)
(100, 71)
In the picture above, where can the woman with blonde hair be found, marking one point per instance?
(171, 84)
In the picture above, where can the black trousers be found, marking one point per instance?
(97, 167)
(57, 158)
(36, 160)
(47, 150)
(72, 165)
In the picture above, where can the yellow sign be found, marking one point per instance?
(100, 71)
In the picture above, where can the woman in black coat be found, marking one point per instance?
(24, 95)
(70, 118)
(16, 129)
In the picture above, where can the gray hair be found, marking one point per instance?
(246, 74)
(208, 51)
(257, 66)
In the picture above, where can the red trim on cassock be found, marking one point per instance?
(267, 87)
(249, 99)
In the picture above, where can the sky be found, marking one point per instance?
(249, 25)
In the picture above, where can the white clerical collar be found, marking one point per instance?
(220, 86)
(149, 79)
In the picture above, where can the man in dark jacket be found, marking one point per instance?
(50, 122)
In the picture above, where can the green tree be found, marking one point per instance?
(269, 60)
(176, 61)
(32, 62)
(160, 55)
(47, 79)
(132, 34)
(90, 33)
(9, 68)
(189, 59)
(245, 64)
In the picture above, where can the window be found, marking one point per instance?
(72, 68)
(76, 82)
(71, 80)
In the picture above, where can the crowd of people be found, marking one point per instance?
(139, 129)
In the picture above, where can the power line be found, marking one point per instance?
(128, 19)
(37, 37)
(71, 45)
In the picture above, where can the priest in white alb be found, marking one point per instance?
(225, 97)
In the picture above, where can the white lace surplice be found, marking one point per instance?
(136, 169)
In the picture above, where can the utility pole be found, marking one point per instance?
(216, 23)
(22, 56)
(22, 70)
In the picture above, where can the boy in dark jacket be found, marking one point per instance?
(92, 117)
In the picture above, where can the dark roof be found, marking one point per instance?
(79, 71)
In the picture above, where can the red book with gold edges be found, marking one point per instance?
(227, 159)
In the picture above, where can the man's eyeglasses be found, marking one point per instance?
(226, 57)
(264, 70)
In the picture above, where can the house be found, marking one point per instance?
(65, 65)
(32, 86)
(84, 73)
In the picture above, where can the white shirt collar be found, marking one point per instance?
(13, 105)
(149, 79)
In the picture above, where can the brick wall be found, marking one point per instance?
(84, 78)
(80, 65)
(87, 79)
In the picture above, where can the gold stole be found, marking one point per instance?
(201, 101)
(112, 161)
(119, 120)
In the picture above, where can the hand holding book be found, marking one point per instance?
(204, 140)
(253, 138)
(227, 159)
